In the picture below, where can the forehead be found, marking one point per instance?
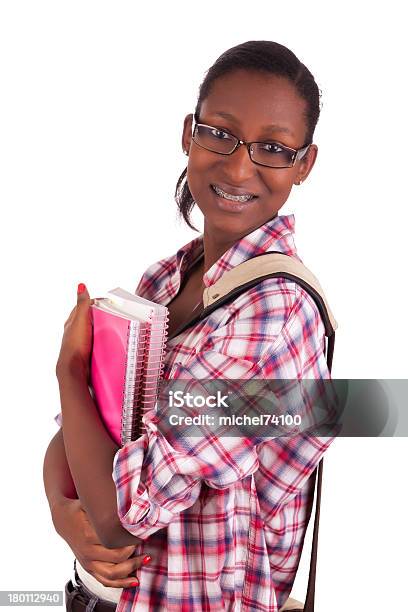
(256, 100)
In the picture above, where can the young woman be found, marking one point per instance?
(228, 533)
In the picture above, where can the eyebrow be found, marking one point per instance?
(273, 127)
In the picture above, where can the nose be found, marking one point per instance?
(238, 166)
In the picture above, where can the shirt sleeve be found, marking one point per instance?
(156, 481)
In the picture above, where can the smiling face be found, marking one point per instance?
(254, 107)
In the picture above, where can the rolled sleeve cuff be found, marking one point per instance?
(153, 484)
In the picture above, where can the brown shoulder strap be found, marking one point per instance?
(230, 286)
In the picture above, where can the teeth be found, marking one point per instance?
(228, 196)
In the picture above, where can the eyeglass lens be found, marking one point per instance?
(267, 154)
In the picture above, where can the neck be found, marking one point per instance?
(215, 247)
(216, 244)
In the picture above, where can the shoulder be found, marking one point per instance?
(275, 325)
(155, 276)
(275, 303)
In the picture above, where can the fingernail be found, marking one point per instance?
(134, 584)
(146, 559)
(81, 288)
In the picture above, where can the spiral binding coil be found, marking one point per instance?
(154, 360)
(144, 369)
(131, 386)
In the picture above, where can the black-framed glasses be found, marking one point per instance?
(271, 154)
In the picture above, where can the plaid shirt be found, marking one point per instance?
(225, 523)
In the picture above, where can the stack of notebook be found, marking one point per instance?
(129, 340)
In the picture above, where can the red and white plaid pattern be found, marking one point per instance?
(224, 521)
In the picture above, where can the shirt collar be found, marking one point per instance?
(277, 234)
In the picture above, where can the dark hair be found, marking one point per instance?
(258, 56)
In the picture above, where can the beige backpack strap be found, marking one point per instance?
(265, 266)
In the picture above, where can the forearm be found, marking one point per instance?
(90, 452)
(57, 477)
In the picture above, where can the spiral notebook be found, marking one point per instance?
(129, 341)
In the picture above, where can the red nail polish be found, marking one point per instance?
(81, 288)
(134, 584)
(146, 559)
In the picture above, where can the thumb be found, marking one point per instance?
(82, 295)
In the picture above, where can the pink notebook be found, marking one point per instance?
(129, 340)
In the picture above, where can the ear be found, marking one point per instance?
(306, 164)
(186, 139)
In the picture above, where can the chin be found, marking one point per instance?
(230, 225)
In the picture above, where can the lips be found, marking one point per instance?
(232, 194)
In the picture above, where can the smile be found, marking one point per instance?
(234, 198)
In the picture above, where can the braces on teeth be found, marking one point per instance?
(227, 196)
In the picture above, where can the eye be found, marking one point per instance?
(272, 147)
(220, 134)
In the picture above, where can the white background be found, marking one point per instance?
(88, 89)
